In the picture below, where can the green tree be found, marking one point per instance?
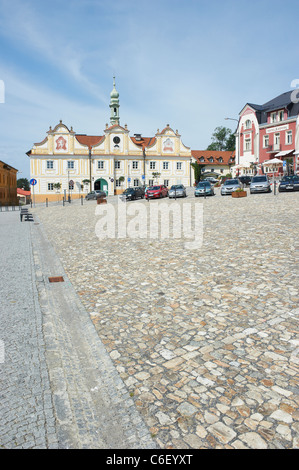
(23, 183)
(197, 167)
(222, 139)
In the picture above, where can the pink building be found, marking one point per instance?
(267, 137)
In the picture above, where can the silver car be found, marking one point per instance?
(230, 186)
(177, 190)
(95, 194)
(260, 184)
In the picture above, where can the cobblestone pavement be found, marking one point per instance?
(59, 388)
(205, 340)
(26, 411)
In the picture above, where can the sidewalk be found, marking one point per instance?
(59, 386)
(26, 411)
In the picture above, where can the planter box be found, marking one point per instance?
(239, 194)
(101, 200)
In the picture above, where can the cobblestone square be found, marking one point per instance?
(205, 340)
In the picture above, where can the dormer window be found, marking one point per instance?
(202, 159)
(211, 159)
(220, 159)
(273, 117)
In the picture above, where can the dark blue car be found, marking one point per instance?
(289, 183)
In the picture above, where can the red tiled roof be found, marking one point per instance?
(143, 141)
(89, 140)
(22, 192)
(206, 154)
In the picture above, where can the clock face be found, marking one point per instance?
(116, 139)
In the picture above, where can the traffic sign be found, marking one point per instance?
(33, 182)
(129, 179)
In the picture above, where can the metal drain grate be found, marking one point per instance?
(56, 279)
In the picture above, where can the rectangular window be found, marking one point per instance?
(179, 165)
(135, 165)
(100, 165)
(50, 164)
(152, 165)
(165, 165)
(277, 141)
(247, 144)
(273, 117)
(166, 183)
(117, 164)
(266, 141)
(70, 165)
(136, 182)
(151, 182)
(289, 137)
(117, 183)
(280, 115)
(50, 186)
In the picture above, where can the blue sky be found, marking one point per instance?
(187, 64)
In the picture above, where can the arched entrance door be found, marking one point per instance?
(101, 185)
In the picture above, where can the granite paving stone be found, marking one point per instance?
(205, 340)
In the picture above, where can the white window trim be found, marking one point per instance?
(265, 138)
(288, 133)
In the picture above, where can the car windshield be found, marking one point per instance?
(231, 182)
(177, 186)
(154, 187)
(256, 179)
(203, 184)
(128, 190)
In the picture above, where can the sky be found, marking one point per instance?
(189, 64)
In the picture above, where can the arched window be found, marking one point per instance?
(248, 124)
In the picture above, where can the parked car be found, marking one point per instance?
(177, 190)
(95, 194)
(211, 179)
(156, 191)
(260, 184)
(204, 188)
(245, 179)
(289, 183)
(230, 186)
(133, 193)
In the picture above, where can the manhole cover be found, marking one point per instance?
(56, 279)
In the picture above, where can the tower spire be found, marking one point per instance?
(114, 105)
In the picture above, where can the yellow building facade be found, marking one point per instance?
(8, 184)
(66, 163)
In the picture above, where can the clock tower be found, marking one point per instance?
(114, 105)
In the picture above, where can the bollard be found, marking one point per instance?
(63, 201)
(81, 200)
(46, 202)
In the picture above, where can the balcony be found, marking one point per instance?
(273, 148)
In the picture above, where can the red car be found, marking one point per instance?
(157, 191)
